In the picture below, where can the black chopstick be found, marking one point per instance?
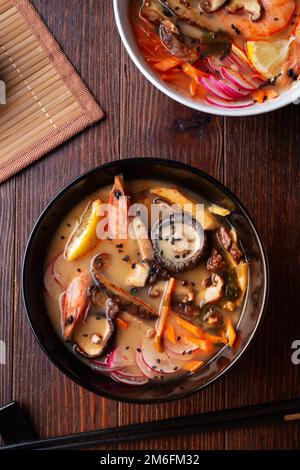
(266, 413)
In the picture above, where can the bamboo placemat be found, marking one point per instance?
(47, 102)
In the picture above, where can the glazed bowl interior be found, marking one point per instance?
(123, 20)
(59, 207)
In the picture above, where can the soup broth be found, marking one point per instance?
(229, 53)
(155, 301)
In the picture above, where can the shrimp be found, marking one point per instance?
(75, 303)
(276, 15)
(293, 63)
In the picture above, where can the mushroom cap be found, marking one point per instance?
(179, 242)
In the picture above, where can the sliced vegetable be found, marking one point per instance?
(218, 210)
(193, 366)
(227, 88)
(170, 333)
(84, 237)
(182, 350)
(122, 323)
(120, 358)
(164, 312)
(194, 329)
(230, 333)
(236, 79)
(158, 361)
(193, 72)
(210, 85)
(167, 64)
(128, 379)
(52, 287)
(202, 344)
(242, 270)
(228, 105)
(153, 374)
(174, 196)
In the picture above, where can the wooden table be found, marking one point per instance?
(256, 157)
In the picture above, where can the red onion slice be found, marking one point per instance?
(228, 89)
(229, 105)
(236, 79)
(210, 87)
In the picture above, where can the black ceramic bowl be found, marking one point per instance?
(47, 224)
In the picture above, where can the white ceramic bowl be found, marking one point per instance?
(121, 9)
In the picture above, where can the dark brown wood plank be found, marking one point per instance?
(262, 169)
(55, 404)
(7, 280)
(152, 125)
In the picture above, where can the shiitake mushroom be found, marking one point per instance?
(179, 242)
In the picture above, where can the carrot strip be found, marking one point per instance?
(170, 333)
(192, 72)
(230, 333)
(215, 339)
(258, 96)
(167, 64)
(164, 313)
(193, 87)
(194, 365)
(271, 94)
(195, 330)
(122, 323)
(202, 344)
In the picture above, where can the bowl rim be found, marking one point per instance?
(284, 100)
(160, 161)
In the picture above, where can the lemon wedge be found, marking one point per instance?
(268, 57)
(84, 237)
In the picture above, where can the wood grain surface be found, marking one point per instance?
(256, 157)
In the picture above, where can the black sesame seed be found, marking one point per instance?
(134, 290)
(175, 368)
(68, 224)
(178, 338)
(85, 335)
(79, 270)
(62, 237)
(127, 347)
(139, 350)
(133, 266)
(70, 320)
(126, 258)
(158, 360)
(154, 367)
(120, 245)
(183, 353)
(98, 317)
